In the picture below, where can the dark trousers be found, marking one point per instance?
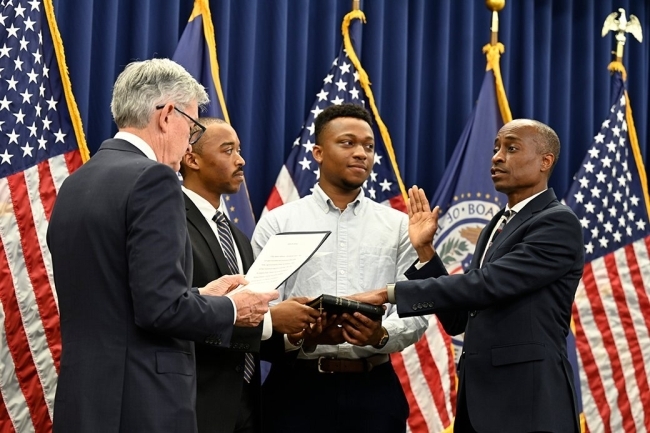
(461, 422)
(298, 400)
(247, 419)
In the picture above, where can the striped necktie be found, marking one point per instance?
(504, 220)
(228, 247)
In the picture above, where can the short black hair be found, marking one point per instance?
(547, 141)
(205, 121)
(198, 146)
(335, 111)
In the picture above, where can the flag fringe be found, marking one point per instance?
(617, 66)
(365, 83)
(75, 117)
(493, 55)
(202, 8)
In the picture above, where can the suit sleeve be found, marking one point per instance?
(157, 252)
(453, 321)
(542, 252)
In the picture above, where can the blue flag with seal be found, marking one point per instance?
(197, 52)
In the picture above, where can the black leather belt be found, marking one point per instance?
(326, 364)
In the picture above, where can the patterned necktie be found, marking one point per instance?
(504, 221)
(228, 247)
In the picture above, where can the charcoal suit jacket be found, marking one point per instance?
(515, 311)
(122, 265)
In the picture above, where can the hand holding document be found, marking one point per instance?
(283, 255)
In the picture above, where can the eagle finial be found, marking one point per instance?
(621, 26)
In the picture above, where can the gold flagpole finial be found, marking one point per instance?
(622, 25)
(495, 6)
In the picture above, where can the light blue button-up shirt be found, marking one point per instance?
(368, 248)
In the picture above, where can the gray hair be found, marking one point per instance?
(143, 85)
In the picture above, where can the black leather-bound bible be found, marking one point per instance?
(335, 305)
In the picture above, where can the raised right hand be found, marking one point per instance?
(423, 223)
(251, 306)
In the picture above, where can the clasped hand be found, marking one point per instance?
(251, 306)
(331, 329)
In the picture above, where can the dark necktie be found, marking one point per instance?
(228, 247)
(504, 220)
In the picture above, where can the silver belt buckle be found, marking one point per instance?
(320, 370)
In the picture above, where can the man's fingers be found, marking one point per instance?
(269, 296)
(422, 199)
(409, 202)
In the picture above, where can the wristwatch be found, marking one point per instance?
(383, 340)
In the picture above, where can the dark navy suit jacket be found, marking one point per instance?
(122, 265)
(515, 311)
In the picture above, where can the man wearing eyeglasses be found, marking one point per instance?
(122, 267)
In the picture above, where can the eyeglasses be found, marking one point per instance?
(197, 130)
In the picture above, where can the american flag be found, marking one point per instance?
(612, 305)
(426, 370)
(41, 143)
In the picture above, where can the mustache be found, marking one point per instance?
(236, 172)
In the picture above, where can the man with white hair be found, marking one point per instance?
(122, 267)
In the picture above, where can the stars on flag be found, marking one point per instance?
(29, 117)
(606, 196)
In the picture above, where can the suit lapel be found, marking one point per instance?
(195, 217)
(483, 238)
(536, 205)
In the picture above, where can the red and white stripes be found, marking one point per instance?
(612, 320)
(30, 341)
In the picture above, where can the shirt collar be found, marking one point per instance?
(204, 206)
(326, 204)
(142, 145)
(519, 206)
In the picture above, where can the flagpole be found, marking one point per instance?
(356, 5)
(493, 52)
(495, 6)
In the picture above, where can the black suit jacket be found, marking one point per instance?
(121, 253)
(515, 311)
(220, 374)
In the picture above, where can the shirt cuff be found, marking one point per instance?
(390, 291)
(267, 326)
(420, 265)
(288, 347)
(234, 309)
